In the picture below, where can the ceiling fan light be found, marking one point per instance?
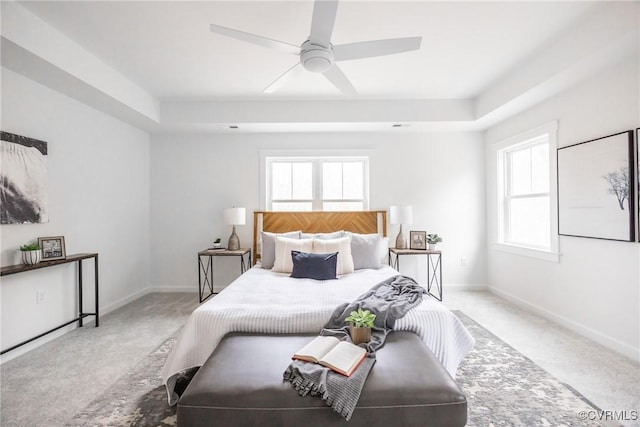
(316, 58)
(317, 64)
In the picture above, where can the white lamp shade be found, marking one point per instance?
(235, 216)
(401, 214)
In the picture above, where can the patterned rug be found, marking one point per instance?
(503, 388)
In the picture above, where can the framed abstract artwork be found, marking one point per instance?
(595, 188)
(23, 180)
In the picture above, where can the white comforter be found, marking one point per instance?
(262, 301)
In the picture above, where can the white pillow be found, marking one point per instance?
(342, 246)
(268, 246)
(284, 245)
(384, 251)
(368, 250)
(323, 236)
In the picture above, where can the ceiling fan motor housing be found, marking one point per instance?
(316, 58)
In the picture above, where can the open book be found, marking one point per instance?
(340, 356)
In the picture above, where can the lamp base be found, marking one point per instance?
(401, 241)
(234, 241)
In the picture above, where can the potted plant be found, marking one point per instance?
(432, 240)
(30, 253)
(217, 244)
(361, 324)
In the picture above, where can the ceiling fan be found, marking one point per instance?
(317, 54)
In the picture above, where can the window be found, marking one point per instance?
(306, 183)
(291, 185)
(526, 190)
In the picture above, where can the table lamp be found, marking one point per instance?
(401, 215)
(234, 216)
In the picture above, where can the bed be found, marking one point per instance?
(266, 302)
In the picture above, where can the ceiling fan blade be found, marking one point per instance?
(345, 52)
(282, 80)
(324, 16)
(255, 39)
(339, 80)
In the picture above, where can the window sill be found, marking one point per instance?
(528, 252)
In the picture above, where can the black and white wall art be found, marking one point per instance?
(637, 160)
(595, 188)
(23, 180)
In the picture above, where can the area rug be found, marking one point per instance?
(503, 388)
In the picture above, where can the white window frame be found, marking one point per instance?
(502, 148)
(267, 157)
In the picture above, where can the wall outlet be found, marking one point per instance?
(41, 296)
(463, 262)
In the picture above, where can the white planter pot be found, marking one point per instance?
(432, 246)
(31, 257)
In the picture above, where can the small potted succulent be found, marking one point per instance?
(30, 253)
(217, 244)
(433, 240)
(361, 322)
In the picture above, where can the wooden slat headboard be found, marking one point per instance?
(363, 222)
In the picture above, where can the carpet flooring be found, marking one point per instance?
(503, 388)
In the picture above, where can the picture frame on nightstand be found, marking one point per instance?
(418, 240)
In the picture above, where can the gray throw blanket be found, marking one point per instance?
(388, 300)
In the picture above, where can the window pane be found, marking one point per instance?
(332, 180)
(342, 206)
(281, 180)
(525, 211)
(302, 181)
(520, 162)
(305, 183)
(353, 187)
(529, 221)
(291, 206)
(540, 168)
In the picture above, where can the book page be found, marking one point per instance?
(344, 357)
(316, 349)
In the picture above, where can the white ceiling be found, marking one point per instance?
(156, 65)
(167, 49)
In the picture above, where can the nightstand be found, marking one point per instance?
(205, 267)
(434, 267)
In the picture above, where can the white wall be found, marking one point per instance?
(98, 175)
(194, 177)
(595, 288)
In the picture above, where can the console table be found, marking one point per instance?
(434, 267)
(22, 268)
(205, 268)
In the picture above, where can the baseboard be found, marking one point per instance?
(89, 321)
(37, 343)
(599, 337)
(124, 301)
(465, 287)
(167, 289)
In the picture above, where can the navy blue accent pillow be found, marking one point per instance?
(314, 266)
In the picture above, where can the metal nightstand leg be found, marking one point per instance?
(434, 275)
(205, 277)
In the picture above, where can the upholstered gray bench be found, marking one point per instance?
(241, 385)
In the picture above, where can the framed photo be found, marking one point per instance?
(418, 240)
(595, 188)
(52, 248)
